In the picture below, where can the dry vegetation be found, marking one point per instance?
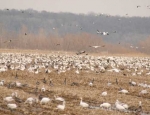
(72, 94)
(68, 42)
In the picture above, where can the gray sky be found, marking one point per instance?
(112, 7)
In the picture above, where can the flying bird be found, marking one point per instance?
(8, 41)
(95, 46)
(138, 6)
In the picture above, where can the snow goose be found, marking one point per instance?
(132, 83)
(43, 89)
(12, 106)
(143, 92)
(105, 105)
(59, 98)
(124, 91)
(91, 83)
(45, 100)
(83, 104)
(119, 106)
(104, 93)
(61, 107)
(1, 82)
(31, 100)
(18, 84)
(8, 99)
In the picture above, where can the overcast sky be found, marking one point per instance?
(112, 7)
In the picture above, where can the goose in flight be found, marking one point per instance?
(97, 46)
(102, 33)
(138, 6)
(8, 41)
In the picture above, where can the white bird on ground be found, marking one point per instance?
(143, 92)
(105, 105)
(31, 100)
(123, 104)
(45, 100)
(83, 104)
(119, 106)
(18, 84)
(12, 106)
(124, 91)
(104, 93)
(77, 71)
(91, 83)
(132, 83)
(61, 107)
(8, 99)
(43, 89)
(1, 82)
(59, 98)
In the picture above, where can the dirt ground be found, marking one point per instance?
(72, 92)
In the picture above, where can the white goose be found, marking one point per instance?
(124, 91)
(119, 106)
(83, 104)
(1, 82)
(43, 89)
(59, 98)
(8, 99)
(61, 107)
(45, 100)
(12, 106)
(105, 105)
(31, 100)
(104, 93)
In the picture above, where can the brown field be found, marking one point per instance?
(72, 94)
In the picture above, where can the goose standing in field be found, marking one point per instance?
(132, 83)
(31, 100)
(104, 93)
(43, 89)
(61, 107)
(119, 106)
(18, 84)
(91, 83)
(8, 99)
(59, 98)
(2, 82)
(124, 91)
(77, 71)
(83, 104)
(105, 105)
(45, 100)
(143, 92)
(123, 104)
(12, 106)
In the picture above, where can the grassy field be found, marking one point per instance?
(72, 93)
